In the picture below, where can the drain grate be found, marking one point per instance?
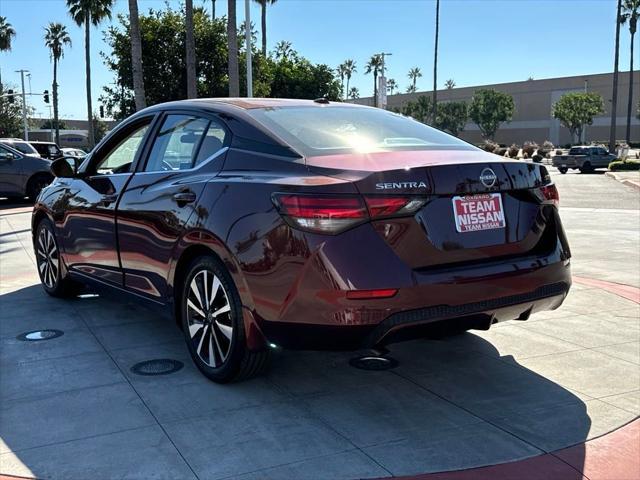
(40, 335)
(374, 363)
(160, 366)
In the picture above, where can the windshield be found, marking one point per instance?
(25, 148)
(333, 130)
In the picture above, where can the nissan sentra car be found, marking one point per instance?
(301, 224)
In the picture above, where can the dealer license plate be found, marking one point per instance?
(474, 213)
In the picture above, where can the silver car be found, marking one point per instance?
(22, 175)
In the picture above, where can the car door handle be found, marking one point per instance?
(107, 199)
(185, 197)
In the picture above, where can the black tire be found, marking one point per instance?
(563, 170)
(49, 263)
(218, 357)
(586, 168)
(36, 184)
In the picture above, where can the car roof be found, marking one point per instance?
(252, 103)
(41, 143)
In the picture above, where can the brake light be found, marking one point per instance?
(333, 214)
(371, 294)
(550, 194)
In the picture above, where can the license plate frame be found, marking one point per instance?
(479, 212)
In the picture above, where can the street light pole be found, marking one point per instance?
(247, 35)
(24, 105)
(383, 83)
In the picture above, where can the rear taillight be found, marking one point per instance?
(334, 214)
(550, 194)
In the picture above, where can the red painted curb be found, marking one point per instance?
(625, 291)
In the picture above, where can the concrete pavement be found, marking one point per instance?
(71, 408)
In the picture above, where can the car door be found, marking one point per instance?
(186, 151)
(11, 172)
(88, 228)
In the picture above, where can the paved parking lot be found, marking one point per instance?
(71, 408)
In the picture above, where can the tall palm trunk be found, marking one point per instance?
(614, 97)
(435, 64)
(232, 39)
(213, 9)
(87, 61)
(375, 89)
(136, 56)
(630, 102)
(55, 99)
(346, 94)
(264, 28)
(191, 51)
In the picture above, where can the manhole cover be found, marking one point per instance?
(39, 335)
(160, 366)
(373, 363)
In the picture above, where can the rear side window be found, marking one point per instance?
(576, 151)
(332, 130)
(24, 147)
(183, 142)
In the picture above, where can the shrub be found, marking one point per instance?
(500, 151)
(525, 155)
(537, 157)
(546, 149)
(514, 150)
(624, 166)
(528, 148)
(489, 146)
(558, 152)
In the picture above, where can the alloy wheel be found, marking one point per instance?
(48, 258)
(209, 318)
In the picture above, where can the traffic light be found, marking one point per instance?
(46, 96)
(10, 96)
(101, 111)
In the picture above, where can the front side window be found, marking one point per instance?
(185, 141)
(120, 159)
(333, 130)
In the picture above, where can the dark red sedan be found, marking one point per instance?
(302, 224)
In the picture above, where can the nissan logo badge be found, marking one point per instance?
(488, 177)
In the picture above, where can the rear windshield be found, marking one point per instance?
(24, 147)
(577, 151)
(332, 130)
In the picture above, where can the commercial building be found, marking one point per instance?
(534, 100)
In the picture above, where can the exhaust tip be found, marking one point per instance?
(373, 362)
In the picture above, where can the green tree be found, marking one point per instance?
(50, 124)
(354, 93)
(392, 85)
(283, 50)
(489, 109)
(86, 13)
(349, 69)
(55, 38)
(136, 55)
(7, 33)
(373, 66)
(575, 110)
(414, 74)
(232, 48)
(11, 116)
(450, 84)
(452, 117)
(263, 19)
(99, 127)
(435, 62)
(630, 14)
(190, 48)
(340, 73)
(411, 89)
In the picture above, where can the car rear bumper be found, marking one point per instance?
(453, 300)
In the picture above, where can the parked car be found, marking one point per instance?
(20, 145)
(583, 158)
(22, 175)
(302, 224)
(48, 150)
(73, 152)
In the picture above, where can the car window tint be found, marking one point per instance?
(176, 143)
(120, 159)
(212, 143)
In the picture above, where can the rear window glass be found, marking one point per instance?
(333, 130)
(576, 151)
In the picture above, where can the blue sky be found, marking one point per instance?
(481, 41)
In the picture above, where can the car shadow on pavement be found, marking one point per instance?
(70, 407)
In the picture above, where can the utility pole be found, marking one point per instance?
(24, 105)
(247, 35)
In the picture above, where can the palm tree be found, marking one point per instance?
(414, 74)
(136, 55)
(435, 62)
(190, 43)
(349, 69)
(354, 93)
(340, 72)
(213, 9)
(86, 13)
(411, 89)
(55, 38)
(391, 86)
(263, 10)
(614, 95)
(631, 12)
(232, 44)
(450, 84)
(7, 33)
(373, 66)
(283, 50)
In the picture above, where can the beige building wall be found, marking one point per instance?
(533, 100)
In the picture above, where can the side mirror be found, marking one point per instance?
(7, 157)
(61, 168)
